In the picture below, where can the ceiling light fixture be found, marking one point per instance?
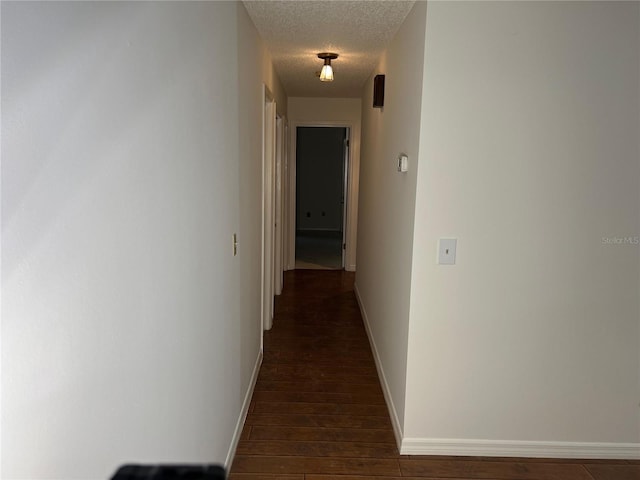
(326, 75)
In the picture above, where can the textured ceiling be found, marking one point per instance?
(295, 31)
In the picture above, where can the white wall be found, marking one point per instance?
(255, 71)
(124, 338)
(387, 197)
(339, 112)
(529, 156)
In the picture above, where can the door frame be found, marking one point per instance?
(268, 206)
(348, 220)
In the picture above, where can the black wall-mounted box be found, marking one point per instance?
(170, 472)
(378, 91)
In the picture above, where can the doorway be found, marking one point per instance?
(268, 208)
(321, 178)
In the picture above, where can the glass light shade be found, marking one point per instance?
(326, 75)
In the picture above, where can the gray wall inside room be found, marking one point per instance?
(121, 167)
(320, 178)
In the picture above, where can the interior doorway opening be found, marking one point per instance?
(269, 173)
(322, 155)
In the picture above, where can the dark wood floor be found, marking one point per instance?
(318, 411)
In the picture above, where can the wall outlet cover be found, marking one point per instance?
(447, 251)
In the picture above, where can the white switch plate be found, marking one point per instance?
(447, 251)
(403, 163)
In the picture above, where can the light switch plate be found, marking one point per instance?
(447, 251)
(403, 163)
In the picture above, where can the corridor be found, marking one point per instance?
(318, 411)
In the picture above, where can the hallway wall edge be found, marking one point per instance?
(395, 421)
(243, 412)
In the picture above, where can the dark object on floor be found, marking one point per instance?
(170, 472)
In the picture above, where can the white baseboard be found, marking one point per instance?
(395, 421)
(243, 413)
(498, 448)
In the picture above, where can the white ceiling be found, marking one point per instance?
(295, 31)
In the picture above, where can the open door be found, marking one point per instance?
(279, 208)
(345, 193)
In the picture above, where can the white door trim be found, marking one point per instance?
(268, 197)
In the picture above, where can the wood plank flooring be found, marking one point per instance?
(318, 412)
